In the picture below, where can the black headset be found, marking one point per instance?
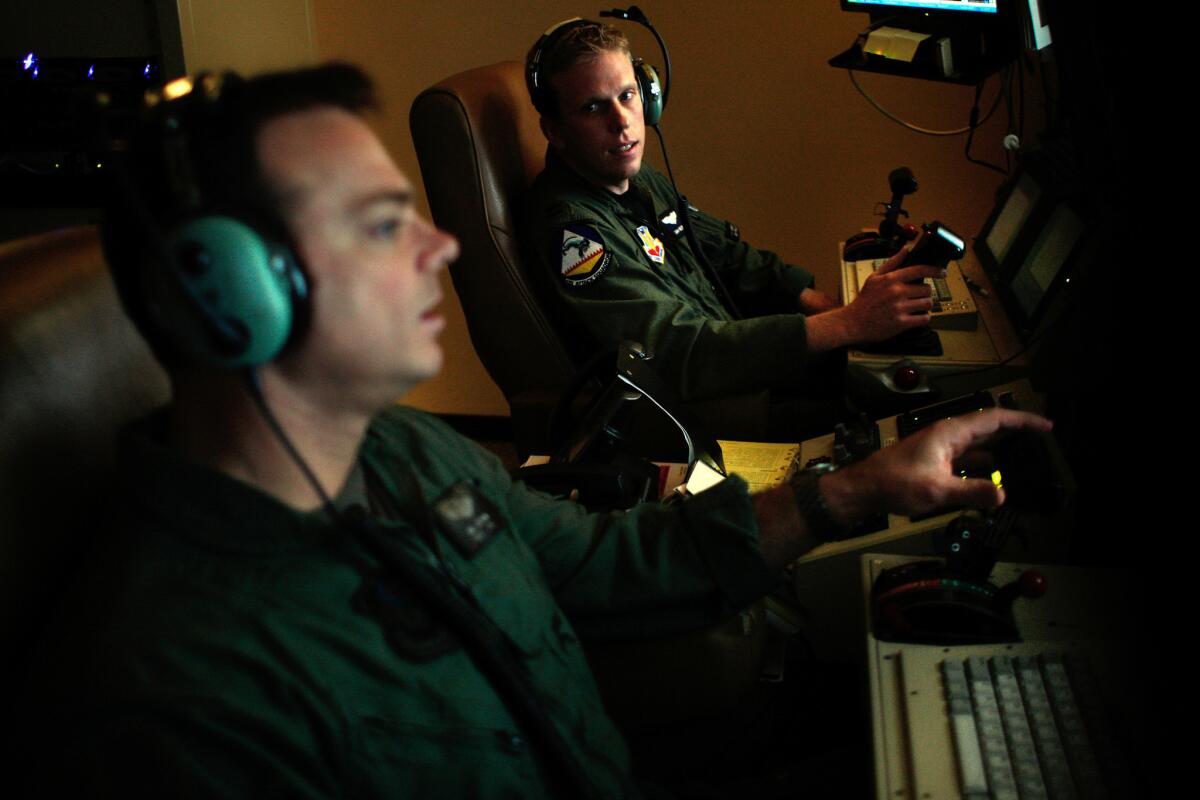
(219, 289)
(653, 94)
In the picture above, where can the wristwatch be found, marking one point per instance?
(811, 503)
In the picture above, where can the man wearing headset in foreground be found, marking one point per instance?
(628, 265)
(417, 633)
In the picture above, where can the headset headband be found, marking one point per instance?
(649, 86)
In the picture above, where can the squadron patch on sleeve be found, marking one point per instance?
(584, 256)
(652, 245)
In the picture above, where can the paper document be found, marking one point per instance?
(763, 465)
(894, 43)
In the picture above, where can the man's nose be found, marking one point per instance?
(618, 119)
(441, 249)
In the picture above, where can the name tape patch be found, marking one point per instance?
(466, 518)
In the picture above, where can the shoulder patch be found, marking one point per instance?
(583, 256)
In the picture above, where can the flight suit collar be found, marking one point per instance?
(638, 206)
(571, 181)
(215, 510)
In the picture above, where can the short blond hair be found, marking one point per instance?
(585, 42)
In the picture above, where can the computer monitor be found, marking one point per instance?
(924, 6)
(1030, 242)
(1037, 34)
(966, 39)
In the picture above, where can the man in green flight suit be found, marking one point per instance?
(611, 232)
(309, 591)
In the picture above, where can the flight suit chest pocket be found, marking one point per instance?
(497, 567)
(506, 581)
(404, 760)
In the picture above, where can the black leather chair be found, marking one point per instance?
(72, 371)
(480, 147)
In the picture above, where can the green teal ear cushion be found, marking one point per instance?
(231, 304)
(650, 88)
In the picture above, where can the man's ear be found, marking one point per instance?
(551, 130)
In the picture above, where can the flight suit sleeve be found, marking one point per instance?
(611, 286)
(652, 569)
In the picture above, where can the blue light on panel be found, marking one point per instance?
(30, 64)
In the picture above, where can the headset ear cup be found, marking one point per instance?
(534, 80)
(650, 88)
(230, 300)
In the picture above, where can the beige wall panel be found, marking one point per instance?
(246, 35)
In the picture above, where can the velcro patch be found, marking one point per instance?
(584, 256)
(652, 245)
(466, 518)
(670, 224)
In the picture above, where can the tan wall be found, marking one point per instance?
(246, 36)
(760, 129)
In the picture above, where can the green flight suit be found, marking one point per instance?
(226, 645)
(625, 271)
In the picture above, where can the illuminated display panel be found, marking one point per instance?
(981, 6)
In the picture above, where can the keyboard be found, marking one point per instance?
(1086, 623)
(953, 306)
(1031, 726)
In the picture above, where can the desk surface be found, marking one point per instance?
(992, 342)
(900, 526)
(991, 310)
(825, 579)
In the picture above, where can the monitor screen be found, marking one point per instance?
(1045, 260)
(1014, 213)
(981, 6)
(1038, 32)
